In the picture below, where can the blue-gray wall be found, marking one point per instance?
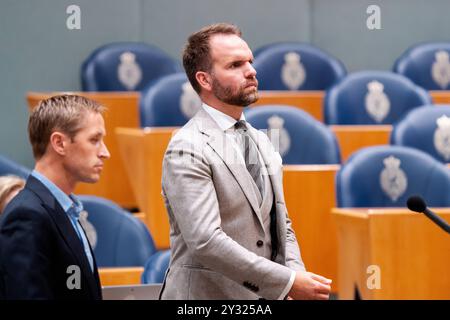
(38, 52)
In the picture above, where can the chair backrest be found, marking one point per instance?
(169, 102)
(298, 137)
(7, 167)
(125, 66)
(121, 239)
(427, 65)
(372, 97)
(155, 268)
(426, 128)
(386, 176)
(296, 66)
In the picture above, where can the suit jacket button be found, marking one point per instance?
(259, 243)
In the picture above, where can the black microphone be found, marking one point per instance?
(417, 204)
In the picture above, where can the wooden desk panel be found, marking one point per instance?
(120, 276)
(354, 137)
(310, 196)
(122, 110)
(309, 101)
(142, 151)
(140, 216)
(413, 254)
(312, 101)
(440, 97)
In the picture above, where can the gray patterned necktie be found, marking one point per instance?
(250, 155)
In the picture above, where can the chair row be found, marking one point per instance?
(378, 176)
(380, 245)
(129, 66)
(366, 97)
(301, 139)
(123, 111)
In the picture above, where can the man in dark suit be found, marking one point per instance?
(44, 252)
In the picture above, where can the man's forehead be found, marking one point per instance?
(228, 45)
(93, 131)
(94, 123)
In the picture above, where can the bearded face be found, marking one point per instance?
(242, 95)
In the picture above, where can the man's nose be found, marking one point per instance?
(251, 72)
(104, 153)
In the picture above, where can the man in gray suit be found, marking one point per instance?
(230, 234)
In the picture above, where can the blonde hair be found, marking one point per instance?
(63, 113)
(9, 184)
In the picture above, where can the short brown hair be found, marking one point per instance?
(63, 113)
(196, 53)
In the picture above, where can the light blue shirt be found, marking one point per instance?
(72, 207)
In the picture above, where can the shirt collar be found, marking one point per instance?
(223, 120)
(70, 204)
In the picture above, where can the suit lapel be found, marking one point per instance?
(64, 226)
(96, 285)
(218, 141)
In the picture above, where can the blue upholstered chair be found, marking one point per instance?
(427, 65)
(300, 138)
(8, 167)
(125, 66)
(426, 128)
(386, 176)
(155, 268)
(168, 102)
(296, 66)
(372, 97)
(121, 239)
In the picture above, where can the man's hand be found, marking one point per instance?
(310, 286)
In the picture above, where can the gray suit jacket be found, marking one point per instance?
(215, 220)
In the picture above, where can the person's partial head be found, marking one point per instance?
(9, 187)
(218, 61)
(70, 130)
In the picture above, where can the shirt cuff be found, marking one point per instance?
(288, 286)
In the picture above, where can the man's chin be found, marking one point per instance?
(251, 99)
(92, 179)
(242, 101)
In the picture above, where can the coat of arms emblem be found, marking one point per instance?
(278, 135)
(440, 71)
(190, 102)
(293, 73)
(377, 103)
(91, 233)
(393, 179)
(441, 137)
(129, 72)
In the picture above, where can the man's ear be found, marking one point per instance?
(59, 142)
(204, 80)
